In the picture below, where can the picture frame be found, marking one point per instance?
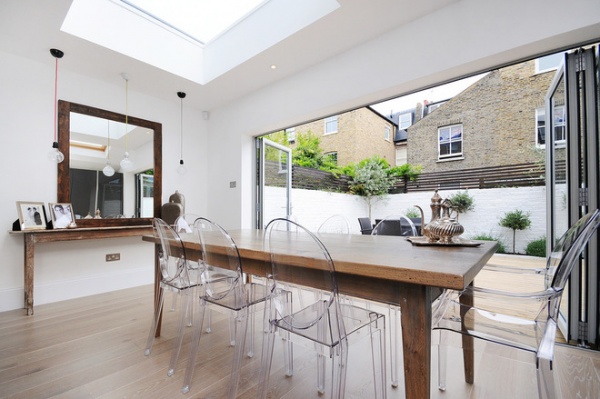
(32, 215)
(61, 215)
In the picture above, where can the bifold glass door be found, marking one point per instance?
(274, 182)
(572, 181)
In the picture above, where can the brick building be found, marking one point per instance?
(353, 136)
(499, 120)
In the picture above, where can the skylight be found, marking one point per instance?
(201, 20)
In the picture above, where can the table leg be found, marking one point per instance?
(157, 278)
(467, 341)
(28, 245)
(415, 303)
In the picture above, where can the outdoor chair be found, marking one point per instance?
(486, 314)
(365, 225)
(324, 325)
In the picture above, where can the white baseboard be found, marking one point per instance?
(55, 291)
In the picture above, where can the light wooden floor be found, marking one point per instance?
(93, 348)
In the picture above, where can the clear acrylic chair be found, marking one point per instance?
(335, 224)
(176, 276)
(231, 295)
(183, 225)
(486, 314)
(325, 324)
(395, 225)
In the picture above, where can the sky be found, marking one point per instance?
(432, 95)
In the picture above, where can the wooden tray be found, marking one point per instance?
(456, 242)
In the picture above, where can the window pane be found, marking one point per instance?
(444, 134)
(444, 149)
(331, 124)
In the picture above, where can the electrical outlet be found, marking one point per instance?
(113, 257)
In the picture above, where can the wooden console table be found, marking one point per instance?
(31, 237)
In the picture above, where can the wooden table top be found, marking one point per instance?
(381, 257)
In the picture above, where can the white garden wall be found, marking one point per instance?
(310, 208)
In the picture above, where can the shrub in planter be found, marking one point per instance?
(537, 248)
(515, 220)
(462, 202)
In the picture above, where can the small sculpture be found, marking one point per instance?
(442, 228)
(97, 214)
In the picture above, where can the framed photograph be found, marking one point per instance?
(61, 215)
(32, 215)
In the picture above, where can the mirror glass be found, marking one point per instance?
(92, 139)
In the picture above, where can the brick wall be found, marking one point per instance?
(498, 118)
(360, 135)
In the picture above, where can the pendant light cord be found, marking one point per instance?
(181, 134)
(55, 96)
(108, 142)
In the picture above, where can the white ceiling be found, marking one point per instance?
(29, 28)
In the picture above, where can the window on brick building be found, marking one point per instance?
(450, 139)
(401, 155)
(404, 120)
(540, 127)
(332, 156)
(291, 135)
(559, 125)
(387, 133)
(331, 124)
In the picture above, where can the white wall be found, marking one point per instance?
(72, 269)
(311, 208)
(484, 34)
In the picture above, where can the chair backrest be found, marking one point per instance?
(185, 223)
(395, 225)
(283, 238)
(365, 225)
(568, 248)
(335, 224)
(566, 253)
(220, 258)
(172, 257)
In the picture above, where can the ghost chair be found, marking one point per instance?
(396, 225)
(184, 225)
(525, 321)
(325, 325)
(231, 296)
(337, 224)
(176, 277)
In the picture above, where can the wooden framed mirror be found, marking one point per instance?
(89, 138)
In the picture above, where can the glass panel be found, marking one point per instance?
(276, 182)
(560, 213)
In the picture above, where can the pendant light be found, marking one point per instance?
(108, 169)
(181, 169)
(126, 163)
(55, 155)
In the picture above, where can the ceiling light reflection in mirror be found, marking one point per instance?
(88, 143)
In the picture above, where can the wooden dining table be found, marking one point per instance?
(387, 269)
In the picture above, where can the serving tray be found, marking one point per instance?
(456, 242)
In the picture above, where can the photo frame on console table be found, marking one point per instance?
(61, 215)
(32, 215)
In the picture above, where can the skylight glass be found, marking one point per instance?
(201, 20)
